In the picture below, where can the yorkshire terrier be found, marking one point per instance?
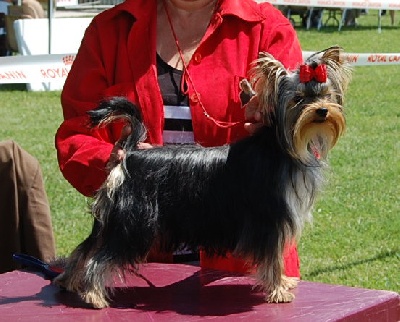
(250, 198)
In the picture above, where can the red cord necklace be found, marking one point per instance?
(187, 77)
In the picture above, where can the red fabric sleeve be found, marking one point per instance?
(283, 44)
(230, 263)
(83, 152)
(82, 157)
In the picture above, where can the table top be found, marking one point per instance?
(179, 292)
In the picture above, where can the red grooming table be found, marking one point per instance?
(176, 292)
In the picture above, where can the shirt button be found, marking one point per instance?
(197, 58)
(194, 97)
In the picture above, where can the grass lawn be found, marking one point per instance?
(355, 238)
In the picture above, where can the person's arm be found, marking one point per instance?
(32, 9)
(283, 44)
(83, 152)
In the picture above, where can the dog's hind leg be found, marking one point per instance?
(98, 272)
(88, 277)
(87, 270)
(72, 279)
(111, 258)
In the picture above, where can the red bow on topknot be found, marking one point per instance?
(307, 73)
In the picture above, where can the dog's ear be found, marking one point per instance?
(339, 69)
(265, 76)
(271, 68)
(332, 56)
(334, 53)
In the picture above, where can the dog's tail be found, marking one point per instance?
(120, 109)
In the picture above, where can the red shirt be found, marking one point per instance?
(118, 57)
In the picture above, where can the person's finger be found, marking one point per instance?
(120, 154)
(125, 132)
(144, 146)
(251, 108)
(252, 127)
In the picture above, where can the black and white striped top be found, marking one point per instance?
(178, 127)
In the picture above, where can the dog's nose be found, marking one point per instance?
(322, 112)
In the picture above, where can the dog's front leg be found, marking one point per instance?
(275, 284)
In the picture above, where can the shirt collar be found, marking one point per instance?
(139, 8)
(247, 10)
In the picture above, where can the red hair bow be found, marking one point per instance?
(307, 73)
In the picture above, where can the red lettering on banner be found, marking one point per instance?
(394, 5)
(375, 4)
(323, 2)
(54, 72)
(331, 3)
(300, 2)
(352, 58)
(362, 4)
(339, 3)
(394, 59)
(14, 74)
(376, 58)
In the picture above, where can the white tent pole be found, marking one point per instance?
(50, 18)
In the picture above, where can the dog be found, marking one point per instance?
(250, 198)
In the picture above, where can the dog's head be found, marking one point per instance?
(306, 105)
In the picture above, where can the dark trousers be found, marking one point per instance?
(25, 220)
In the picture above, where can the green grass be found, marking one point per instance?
(31, 119)
(355, 237)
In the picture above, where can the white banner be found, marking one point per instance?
(66, 3)
(50, 68)
(366, 4)
(35, 68)
(367, 59)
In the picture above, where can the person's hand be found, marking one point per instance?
(253, 115)
(118, 152)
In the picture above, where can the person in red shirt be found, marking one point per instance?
(181, 62)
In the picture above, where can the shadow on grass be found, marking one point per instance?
(334, 268)
(13, 87)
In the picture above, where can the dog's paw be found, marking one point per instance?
(67, 282)
(289, 282)
(61, 281)
(96, 299)
(280, 295)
